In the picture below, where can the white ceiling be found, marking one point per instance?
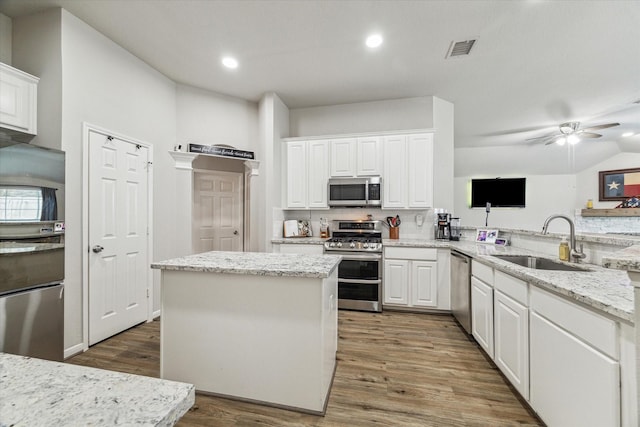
(535, 63)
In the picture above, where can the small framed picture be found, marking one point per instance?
(486, 236)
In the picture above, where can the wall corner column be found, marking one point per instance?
(183, 244)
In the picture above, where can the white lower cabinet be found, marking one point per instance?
(396, 282)
(482, 314)
(574, 383)
(411, 278)
(511, 347)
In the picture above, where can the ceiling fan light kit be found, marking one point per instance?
(570, 132)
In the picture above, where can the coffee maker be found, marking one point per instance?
(443, 226)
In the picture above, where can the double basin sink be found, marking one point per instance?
(539, 263)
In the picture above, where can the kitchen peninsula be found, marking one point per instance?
(260, 327)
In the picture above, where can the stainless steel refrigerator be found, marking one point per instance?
(31, 251)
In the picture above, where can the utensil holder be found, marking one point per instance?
(394, 233)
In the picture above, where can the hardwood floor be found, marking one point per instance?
(394, 369)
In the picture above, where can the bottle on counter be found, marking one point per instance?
(564, 250)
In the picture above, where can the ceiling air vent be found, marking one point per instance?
(460, 48)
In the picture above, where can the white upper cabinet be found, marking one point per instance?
(369, 156)
(18, 100)
(405, 163)
(307, 173)
(297, 174)
(394, 179)
(343, 157)
(318, 173)
(408, 171)
(356, 157)
(420, 170)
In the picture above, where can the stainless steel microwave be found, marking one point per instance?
(355, 192)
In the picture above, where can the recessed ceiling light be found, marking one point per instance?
(626, 134)
(561, 140)
(230, 62)
(374, 40)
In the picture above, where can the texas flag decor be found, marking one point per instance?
(619, 184)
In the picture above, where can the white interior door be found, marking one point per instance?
(218, 211)
(118, 234)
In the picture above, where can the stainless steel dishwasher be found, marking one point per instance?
(461, 289)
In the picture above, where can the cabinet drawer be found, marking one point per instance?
(596, 330)
(482, 272)
(430, 254)
(508, 285)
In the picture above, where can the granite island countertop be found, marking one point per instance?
(13, 248)
(36, 392)
(255, 263)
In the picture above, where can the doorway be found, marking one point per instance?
(218, 211)
(117, 224)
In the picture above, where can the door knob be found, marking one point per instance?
(97, 249)
(235, 232)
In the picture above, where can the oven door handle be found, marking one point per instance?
(351, 257)
(360, 281)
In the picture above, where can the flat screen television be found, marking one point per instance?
(500, 192)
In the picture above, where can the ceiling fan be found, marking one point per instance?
(570, 132)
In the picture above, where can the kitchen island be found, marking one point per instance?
(35, 392)
(260, 327)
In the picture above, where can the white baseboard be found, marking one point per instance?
(155, 314)
(73, 350)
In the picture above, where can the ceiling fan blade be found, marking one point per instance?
(589, 135)
(604, 126)
(541, 137)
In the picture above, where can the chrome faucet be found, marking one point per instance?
(576, 254)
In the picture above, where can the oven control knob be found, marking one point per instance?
(352, 245)
(365, 245)
(339, 244)
(332, 244)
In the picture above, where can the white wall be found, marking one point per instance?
(443, 154)
(546, 195)
(389, 115)
(96, 81)
(274, 125)
(37, 50)
(587, 185)
(6, 26)
(204, 117)
(105, 85)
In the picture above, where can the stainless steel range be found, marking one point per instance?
(360, 271)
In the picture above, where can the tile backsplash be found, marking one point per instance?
(408, 229)
(602, 224)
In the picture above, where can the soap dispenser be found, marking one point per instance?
(564, 250)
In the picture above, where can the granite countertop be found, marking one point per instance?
(300, 240)
(604, 289)
(12, 248)
(255, 263)
(625, 259)
(35, 392)
(607, 290)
